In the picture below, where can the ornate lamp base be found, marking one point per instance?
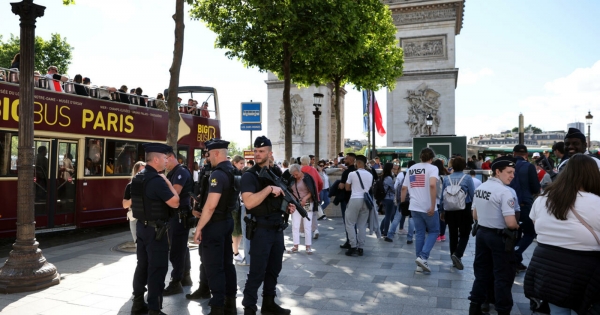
(26, 269)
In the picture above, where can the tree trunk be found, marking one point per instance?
(287, 103)
(338, 119)
(173, 129)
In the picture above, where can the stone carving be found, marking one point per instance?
(298, 119)
(402, 18)
(422, 101)
(425, 47)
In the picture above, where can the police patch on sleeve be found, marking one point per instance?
(179, 177)
(213, 182)
(511, 203)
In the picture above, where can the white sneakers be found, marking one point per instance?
(423, 264)
(316, 234)
(238, 257)
(419, 269)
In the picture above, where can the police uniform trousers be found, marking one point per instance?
(180, 253)
(493, 264)
(152, 265)
(217, 258)
(266, 248)
(527, 230)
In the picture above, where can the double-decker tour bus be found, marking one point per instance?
(85, 151)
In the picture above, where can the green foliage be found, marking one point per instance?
(54, 52)
(535, 129)
(68, 2)
(234, 149)
(353, 150)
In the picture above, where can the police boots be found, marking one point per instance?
(187, 280)
(139, 306)
(475, 309)
(203, 292)
(270, 308)
(174, 287)
(230, 308)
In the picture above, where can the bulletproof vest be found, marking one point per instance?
(144, 208)
(188, 187)
(271, 204)
(229, 200)
(204, 182)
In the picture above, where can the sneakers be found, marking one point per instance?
(521, 267)
(423, 264)
(237, 257)
(442, 238)
(438, 239)
(457, 262)
(301, 234)
(419, 269)
(322, 217)
(387, 239)
(403, 232)
(409, 242)
(316, 234)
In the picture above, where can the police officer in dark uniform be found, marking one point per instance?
(263, 202)
(214, 229)
(494, 208)
(203, 291)
(152, 197)
(179, 226)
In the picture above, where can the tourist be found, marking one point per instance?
(304, 190)
(357, 183)
(443, 172)
(55, 79)
(137, 167)
(238, 163)
(388, 201)
(79, 88)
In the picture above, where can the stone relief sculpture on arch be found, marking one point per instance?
(422, 101)
(298, 117)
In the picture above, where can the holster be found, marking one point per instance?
(187, 218)
(160, 229)
(250, 227)
(510, 239)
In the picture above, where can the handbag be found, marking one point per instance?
(367, 197)
(586, 225)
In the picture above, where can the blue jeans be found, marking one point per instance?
(399, 218)
(324, 197)
(423, 222)
(390, 210)
(557, 310)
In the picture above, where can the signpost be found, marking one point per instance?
(251, 117)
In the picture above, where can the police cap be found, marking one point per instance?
(520, 148)
(575, 133)
(262, 141)
(213, 144)
(502, 161)
(157, 147)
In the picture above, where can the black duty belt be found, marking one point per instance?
(497, 231)
(268, 226)
(150, 223)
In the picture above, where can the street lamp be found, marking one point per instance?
(429, 122)
(318, 98)
(588, 121)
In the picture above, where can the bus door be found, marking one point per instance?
(42, 181)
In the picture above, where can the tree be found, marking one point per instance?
(54, 52)
(353, 150)
(234, 149)
(268, 35)
(535, 129)
(362, 50)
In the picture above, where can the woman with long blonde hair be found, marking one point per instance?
(137, 167)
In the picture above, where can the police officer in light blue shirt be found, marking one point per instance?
(494, 206)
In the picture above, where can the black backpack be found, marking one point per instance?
(379, 192)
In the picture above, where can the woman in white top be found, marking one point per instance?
(137, 167)
(565, 267)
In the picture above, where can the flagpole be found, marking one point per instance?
(373, 151)
(368, 122)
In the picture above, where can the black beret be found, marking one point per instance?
(262, 141)
(213, 144)
(520, 148)
(157, 147)
(575, 133)
(502, 162)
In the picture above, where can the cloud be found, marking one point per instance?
(468, 77)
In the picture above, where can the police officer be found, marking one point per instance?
(152, 197)
(179, 226)
(494, 206)
(214, 229)
(263, 202)
(203, 291)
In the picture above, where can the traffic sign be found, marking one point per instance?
(254, 127)
(251, 113)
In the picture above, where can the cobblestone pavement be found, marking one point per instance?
(96, 279)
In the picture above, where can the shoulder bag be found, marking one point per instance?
(586, 225)
(367, 197)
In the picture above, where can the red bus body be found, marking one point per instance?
(71, 121)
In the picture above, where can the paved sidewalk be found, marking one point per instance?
(96, 280)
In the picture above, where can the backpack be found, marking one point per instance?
(454, 196)
(380, 192)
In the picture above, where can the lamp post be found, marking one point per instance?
(26, 269)
(429, 122)
(588, 121)
(318, 98)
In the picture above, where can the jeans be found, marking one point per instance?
(423, 244)
(324, 197)
(528, 231)
(390, 210)
(557, 310)
(399, 219)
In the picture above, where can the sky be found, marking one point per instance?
(536, 57)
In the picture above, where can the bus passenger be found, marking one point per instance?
(204, 110)
(55, 79)
(79, 88)
(123, 95)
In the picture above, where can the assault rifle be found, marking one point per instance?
(267, 174)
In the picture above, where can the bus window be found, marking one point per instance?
(8, 153)
(198, 156)
(120, 157)
(182, 153)
(93, 157)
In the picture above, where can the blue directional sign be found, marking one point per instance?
(253, 127)
(251, 113)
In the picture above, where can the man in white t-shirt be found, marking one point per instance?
(55, 80)
(420, 182)
(476, 181)
(357, 212)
